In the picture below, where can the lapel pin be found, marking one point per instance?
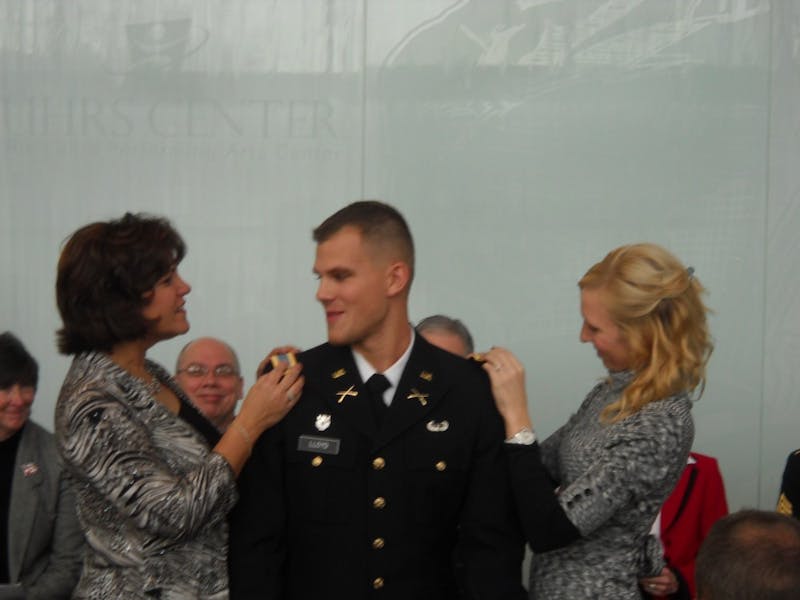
(426, 375)
(29, 469)
(415, 395)
(322, 422)
(337, 374)
(437, 426)
(344, 394)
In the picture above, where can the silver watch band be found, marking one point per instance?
(524, 436)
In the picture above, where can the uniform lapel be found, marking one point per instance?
(416, 395)
(25, 481)
(343, 391)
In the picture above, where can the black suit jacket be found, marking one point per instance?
(331, 507)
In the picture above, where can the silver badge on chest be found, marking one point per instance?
(437, 426)
(322, 422)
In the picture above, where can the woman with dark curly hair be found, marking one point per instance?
(588, 495)
(155, 480)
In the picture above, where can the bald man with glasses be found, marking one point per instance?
(208, 371)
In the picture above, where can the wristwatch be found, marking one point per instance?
(524, 436)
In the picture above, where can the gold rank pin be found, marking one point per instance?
(289, 358)
(416, 395)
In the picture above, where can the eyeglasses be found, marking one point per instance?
(196, 370)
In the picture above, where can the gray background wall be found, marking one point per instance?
(522, 140)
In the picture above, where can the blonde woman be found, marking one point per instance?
(588, 495)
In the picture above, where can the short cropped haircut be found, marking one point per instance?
(105, 272)
(750, 555)
(448, 325)
(657, 304)
(17, 366)
(378, 223)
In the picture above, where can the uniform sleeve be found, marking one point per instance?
(789, 500)
(490, 548)
(638, 456)
(544, 522)
(257, 549)
(106, 446)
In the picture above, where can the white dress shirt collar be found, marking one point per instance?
(393, 373)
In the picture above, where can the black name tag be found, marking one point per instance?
(320, 445)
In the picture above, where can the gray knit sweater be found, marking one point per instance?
(613, 479)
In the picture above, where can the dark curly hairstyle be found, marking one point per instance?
(16, 363)
(105, 272)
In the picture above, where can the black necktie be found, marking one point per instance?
(376, 385)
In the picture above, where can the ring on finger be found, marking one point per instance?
(290, 396)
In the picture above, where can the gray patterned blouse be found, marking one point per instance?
(613, 479)
(152, 498)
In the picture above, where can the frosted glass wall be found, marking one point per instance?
(522, 140)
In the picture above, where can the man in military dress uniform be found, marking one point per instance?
(387, 479)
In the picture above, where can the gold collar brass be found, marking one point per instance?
(344, 394)
(416, 395)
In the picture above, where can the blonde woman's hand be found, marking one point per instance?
(507, 376)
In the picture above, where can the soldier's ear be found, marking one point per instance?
(398, 276)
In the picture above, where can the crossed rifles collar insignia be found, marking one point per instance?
(416, 395)
(351, 391)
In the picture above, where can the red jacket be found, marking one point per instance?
(695, 504)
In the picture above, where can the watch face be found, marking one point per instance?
(525, 436)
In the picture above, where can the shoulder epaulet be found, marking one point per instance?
(476, 358)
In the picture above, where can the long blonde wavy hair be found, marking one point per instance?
(656, 303)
